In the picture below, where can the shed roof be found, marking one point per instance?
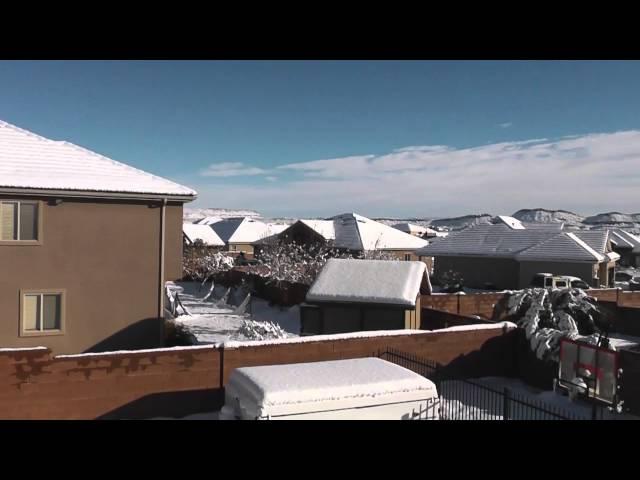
(368, 281)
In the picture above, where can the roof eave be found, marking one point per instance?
(97, 194)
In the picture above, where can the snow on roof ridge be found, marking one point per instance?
(580, 242)
(74, 146)
(511, 222)
(124, 165)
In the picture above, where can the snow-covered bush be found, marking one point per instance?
(548, 316)
(201, 264)
(301, 263)
(292, 262)
(255, 330)
(451, 281)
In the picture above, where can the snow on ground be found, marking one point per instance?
(462, 401)
(211, 322)
(619, 340)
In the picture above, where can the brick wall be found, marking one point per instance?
(437, 319)
(177, 382)
(36, 385)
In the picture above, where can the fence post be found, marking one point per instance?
(506, 407)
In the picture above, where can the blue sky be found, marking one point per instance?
(254, 134)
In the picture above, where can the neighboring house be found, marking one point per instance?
(208, 220)
(411, 229)
(240, 233)
(354, 233)
(354, 295)
(627, 246)
(507, 254)
(86, 245)
(204, 233)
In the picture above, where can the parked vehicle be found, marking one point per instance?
(627, 281)
(549, 280)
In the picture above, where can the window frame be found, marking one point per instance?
(405, 257)
(44, 291)
(39, 211)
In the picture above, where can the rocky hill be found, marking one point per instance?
(612, 218)
(458, 223)
(542, 215)
(191, 215)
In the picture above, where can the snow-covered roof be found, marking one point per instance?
(323, 227)
(205, 233)
(276, 228)
(368, 281)
(532, 242)
(36, 164)
(511, 222)
(208, 220)
(319, 386)
(624, 239)
(241, 230)
(596, 239)
(411, 228)
(355, 232)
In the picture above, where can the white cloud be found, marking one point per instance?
(505, 124)
(587, 174)
(271, 178)
(230, 169)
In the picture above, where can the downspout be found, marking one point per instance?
(161, 270)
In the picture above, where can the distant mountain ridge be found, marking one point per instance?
(457, 223)
(191, 215)
(629, 221)
(542, 215)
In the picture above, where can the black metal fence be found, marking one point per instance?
(466, 399)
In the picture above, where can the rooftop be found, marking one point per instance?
(29, 162)
(387, 282)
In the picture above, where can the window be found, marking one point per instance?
(233, 248)
(407, 257)
(579, 284)
(42, 312)
(561, 284)
(18, 221)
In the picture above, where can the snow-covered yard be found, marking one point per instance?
(463, 401)
(218, 319)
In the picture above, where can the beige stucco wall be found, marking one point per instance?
(105, 255)
(399, 254)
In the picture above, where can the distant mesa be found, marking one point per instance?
(629, 221)
(613, 218)
(457, 223)
(192, 215)
(543, 215)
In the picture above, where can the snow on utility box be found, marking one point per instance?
(355, 389)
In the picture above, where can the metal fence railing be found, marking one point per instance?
(467, 399)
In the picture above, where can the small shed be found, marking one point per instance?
(354, 389)
(356, 295)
